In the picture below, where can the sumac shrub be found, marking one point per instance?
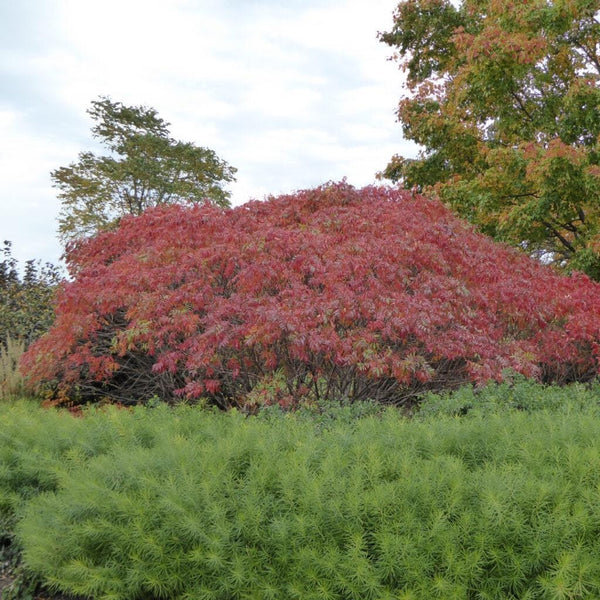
(341, 292)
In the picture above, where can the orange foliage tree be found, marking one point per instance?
(504, 98)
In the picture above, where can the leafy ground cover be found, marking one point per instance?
(480, 495)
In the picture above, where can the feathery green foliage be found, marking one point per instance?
(38, 446)
(182, 503)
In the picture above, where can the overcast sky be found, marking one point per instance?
(293, 93)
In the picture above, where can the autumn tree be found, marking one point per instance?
(333, 292)
(145, 167)
(503, 97)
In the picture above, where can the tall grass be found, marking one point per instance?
(11, 381)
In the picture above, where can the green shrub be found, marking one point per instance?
(198, 505)
(27, 299)
(520, 394)
(325, 413)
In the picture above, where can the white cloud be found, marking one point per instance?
(292, 94)
(28, 203)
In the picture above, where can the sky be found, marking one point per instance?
(293, 93)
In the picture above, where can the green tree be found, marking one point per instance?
(145, 167)
(504, 98)
(26, 301)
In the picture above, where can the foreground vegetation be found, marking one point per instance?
(487, 495)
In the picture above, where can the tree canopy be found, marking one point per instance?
(336, 292)
(503, 96)
(26, 299)
(145, 167)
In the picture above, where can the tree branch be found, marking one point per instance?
(525, 195)
(592, 56)
(521, 105)
(565, 242)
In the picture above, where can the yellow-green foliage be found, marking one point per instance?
(189, 504)
(11, 380)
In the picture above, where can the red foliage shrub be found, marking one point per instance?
(370, 293)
